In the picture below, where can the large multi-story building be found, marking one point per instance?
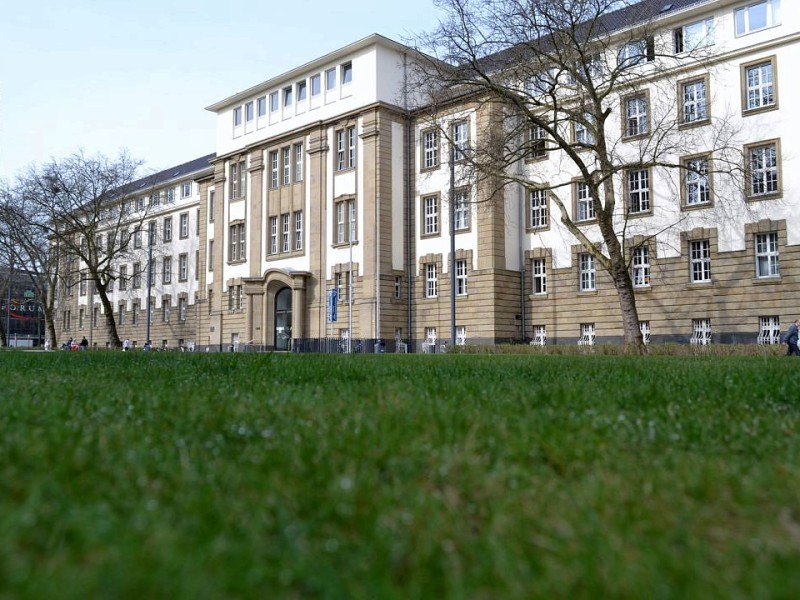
(331, 183)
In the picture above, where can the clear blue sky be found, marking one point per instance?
(103, 75)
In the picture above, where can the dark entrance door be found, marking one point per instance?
(283, 319)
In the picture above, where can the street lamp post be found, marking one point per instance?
(150, 241)
(8, 303)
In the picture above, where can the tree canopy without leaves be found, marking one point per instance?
(581, 95)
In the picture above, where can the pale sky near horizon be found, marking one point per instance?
(106, 75)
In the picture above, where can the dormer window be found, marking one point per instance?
(757, 16)
(347, 73)
(287, 97)
(237, 116)
(694, 35)
(636, 52)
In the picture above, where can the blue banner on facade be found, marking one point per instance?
(333, 303)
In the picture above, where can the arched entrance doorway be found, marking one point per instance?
(283, 319)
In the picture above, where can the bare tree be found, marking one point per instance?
(579, 104)
(79, 217)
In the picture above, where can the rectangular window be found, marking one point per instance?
(539, 210)
(137, 276)
(587, 273)
(345, 211)
(763, 171)
(461, 335)
(694, 35)
(638, 190)
(587, 336)
(121, 313)
(286, 154)
(430, 215)
(123, 278)
(237, 179)
(298, 161)
(701, 332)
(584, 205)
(640, 264)
(273, 235)
(767, 258)
(461, 210)
(539, 276)
(82, 285)
(183, 267)
(166, 270)
(757, 16)
(184, 225)
(197, 265)
(285, 232)
(346, 148)
(430, 149)
(237, 116)
(636, 52)
(236, 249)
(135, 312)
(538, 142)
(700, 260)
(697, 189)
(315, 85)
(460, 140)
(636, 116)
(181, 309)
(262, 106)
(330, 80)
(694, 101)
(758, 86)
(398, 287)
(170, 195)
(186, 189)
(211, 206)
(769, 330)
(347, 73)
(165, 310)
(298, 230)
(210, 255)
(248, 112)
(582, 133)
(273, 102)
(431, 281)
(461, 278)
(137, 238)
(288, 96)
(644, 329)
(301, 91)
(273, 169)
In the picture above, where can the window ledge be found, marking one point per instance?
(761, 109)
(343, 244)
(237, 262)
(771, 280)
(761, 197)
(693, 124)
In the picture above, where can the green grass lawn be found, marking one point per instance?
(169, 475)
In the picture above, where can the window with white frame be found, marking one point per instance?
(123, 277)
(273, 169)
(582, 134)
(430, 149)
(273, 235)
(461, 210)
(346, 73)
(165, 310)
(398, 287)
(330, 79)
(586, 272)
(288, 96)
(248, 111)
(287, 165)
(181, 309)
(539, 210)
(587, 336)
(120, 318)
(184, 224)
(694, 35)
(700, 260)
(186, 189)
(261, 106)
(644, 329)
(431, 281)
(211, 206)
(430, 215)
(285, 232)
(640, 264)
(636, 52)
(167, 229)
(345, 226)
(767, 258)
(701, 332)
(759, 84)
(636, 116)
(539, 276)
(237, 116)
(236, 248)
(538, 141)
(137, 238)
(301, 91)
(763, 170)
(638, 191)
(298, 230)
(694, 101)
(183, 267)
(298, 161)
(584, 204)
(461, 335)
(430, 335)
(460, 138)
(274, 105)
(166, 269)
(461, 277)
(136, 281)
(697, 190)
(238, 181)
(769, 330)
(539, 335)
(346, 148)
(757, 16)
(316, 85)
(134, 314)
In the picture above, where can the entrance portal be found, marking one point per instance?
(283, 319)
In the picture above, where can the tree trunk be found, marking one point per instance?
(50, 326)
(111, 325)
